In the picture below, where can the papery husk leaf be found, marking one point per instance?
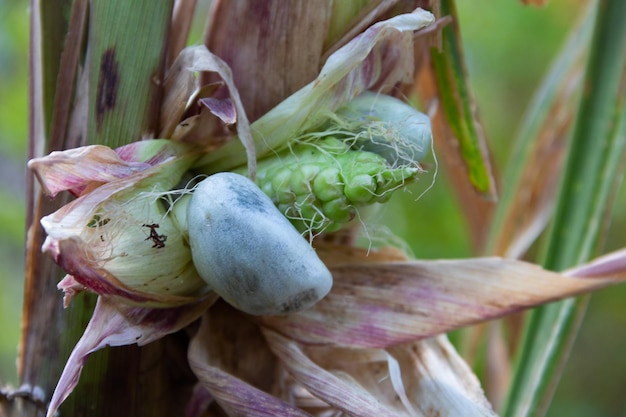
(230, 340)
(74, 169)
(114, 324)
(377, 305)
(377, 59)
(350, 18)
(222, 108)
(341, 393)
(374, 370)
(178, 86)
(422, 378)
(204, 61)
(438, 380)
(81, 169)
(194, 129)
(209, 360)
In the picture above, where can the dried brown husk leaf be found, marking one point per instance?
(178, 86)
(417, 379)
(377, 305)
(269, 65)
(344, 27)
(378, 59)
(338, 390)
(232, 363)
(181, 93)
(182, 20)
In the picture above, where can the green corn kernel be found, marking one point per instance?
(360, 189)
(387, 180)
(328, 185)
(302, 178)
(339, 211)
(279, 190)
(306, 208)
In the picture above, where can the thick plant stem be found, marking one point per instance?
(123, 61)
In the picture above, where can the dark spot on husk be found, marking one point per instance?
(108, 82)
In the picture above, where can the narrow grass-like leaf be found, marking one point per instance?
(592, 169)
(458, 104)
(527, 195)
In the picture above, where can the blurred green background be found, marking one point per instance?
(13, 143)
(508, 48)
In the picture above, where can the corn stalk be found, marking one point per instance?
(90, 84)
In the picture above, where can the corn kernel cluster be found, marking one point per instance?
(319, 186)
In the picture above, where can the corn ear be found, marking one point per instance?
(320, 185)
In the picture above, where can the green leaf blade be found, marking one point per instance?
(457, 104)
(125, 76)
